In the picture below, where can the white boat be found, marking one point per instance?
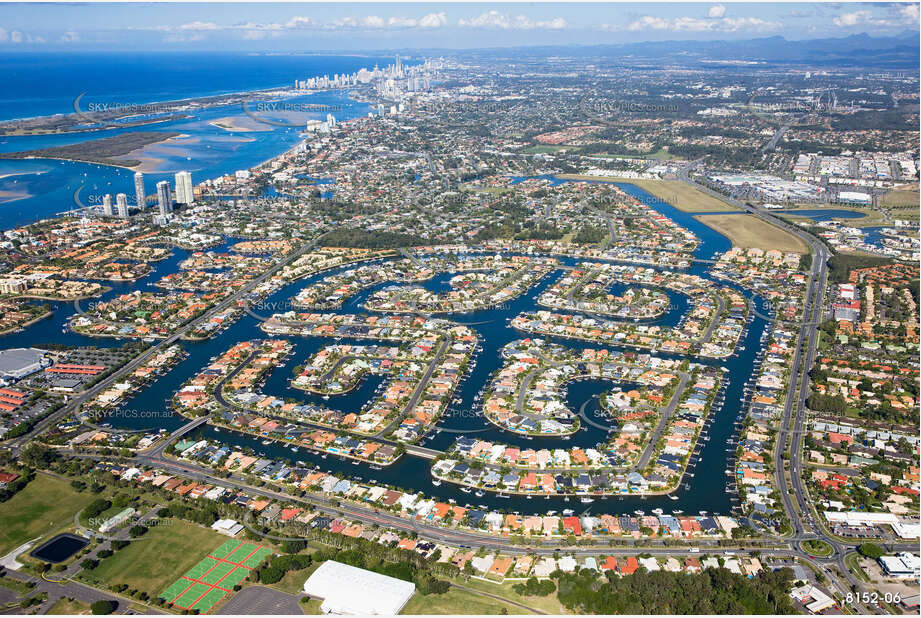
(466, 490)
(266, 442)
(638, 512)
(436, 483)
(586, 500)
(480, 494)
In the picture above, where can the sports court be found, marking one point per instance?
(209, 581)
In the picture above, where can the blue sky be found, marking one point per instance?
(309, 27)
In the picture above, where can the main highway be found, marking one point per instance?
(804, 521)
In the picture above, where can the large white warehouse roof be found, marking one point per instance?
(349, 590)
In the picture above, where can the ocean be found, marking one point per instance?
(38, 84)
(43, 84)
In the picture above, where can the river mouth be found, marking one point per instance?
(60, 548)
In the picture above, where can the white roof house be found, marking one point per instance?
(227, 527)
(349, 590)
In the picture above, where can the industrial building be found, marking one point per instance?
(902, 566)
(349, 590)
(17, 363)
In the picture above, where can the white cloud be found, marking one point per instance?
(693, 24)
(269, 27)
(846, 20)
(70, 37)
(503, 21)
(300, 22)
(435, 20)
(198, 26)
(260, 34)
(911, 12)
(374, 22)
(905, 15)
(717, 11)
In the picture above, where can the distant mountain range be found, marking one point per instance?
(859, 50)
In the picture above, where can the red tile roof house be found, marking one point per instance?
(289, 514)
(609, 564)
(628, 568)
(571, 524)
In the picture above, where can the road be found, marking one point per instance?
(74, 404)
(793, 418)
(666, 414)
(420, 388)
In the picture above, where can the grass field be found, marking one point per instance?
(293, 581)
(673, 192)
(549, 604)
(457, 601)
(312, 607)
(151, 563)
(903, 203)
(683, 196)
(214, 576)
(661, 154)
(749, 231)
(46, 505)
(817, 547)
(902, 198)
(65, 606)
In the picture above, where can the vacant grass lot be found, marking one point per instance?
(549, 604)
(662, 155)
(154, 561)
(903, 203)
(457, 601)
(673, 192)
(683, 196)
(46, 505)
(68, 607)
(748, 231)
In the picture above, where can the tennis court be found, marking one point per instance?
(214, 577)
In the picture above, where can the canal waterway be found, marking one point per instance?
(707, 490)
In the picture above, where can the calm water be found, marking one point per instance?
(45, 84)
(822, 214)
(60, 548)
(36, 189)
(706, 490)
(42, 84)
